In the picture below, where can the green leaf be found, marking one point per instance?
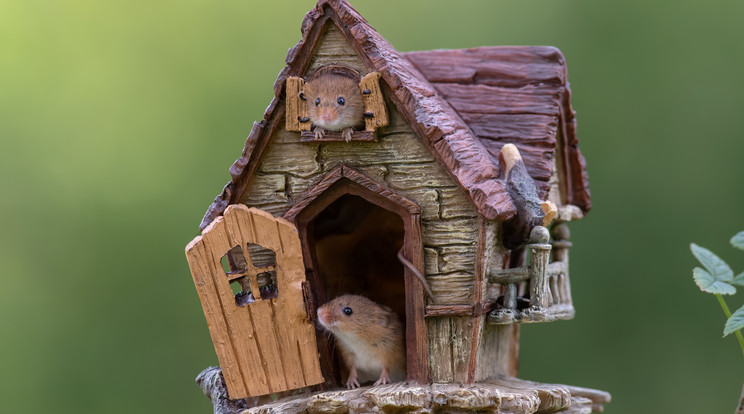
(739, 279)
(715, 266)
(707, 283)
(738, 240)
(735, 322)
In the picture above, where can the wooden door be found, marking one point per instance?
(264, 340)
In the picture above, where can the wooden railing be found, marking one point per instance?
(549, 286)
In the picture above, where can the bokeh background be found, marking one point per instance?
(119, 120)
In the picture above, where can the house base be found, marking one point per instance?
(498, 395)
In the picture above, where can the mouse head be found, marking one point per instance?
(334, 101)
(352, 313)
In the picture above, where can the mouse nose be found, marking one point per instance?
(326, 116)
(323, 315)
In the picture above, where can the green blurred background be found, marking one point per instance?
(119, 120)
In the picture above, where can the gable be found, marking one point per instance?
(334, 49)
(287, 168)
(453, 143)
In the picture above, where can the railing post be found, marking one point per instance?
(539, 257)
(510, 296)
(561, 247)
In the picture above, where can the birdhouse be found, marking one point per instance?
(447, 201)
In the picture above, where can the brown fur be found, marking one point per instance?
(329, 115)
(371, 333)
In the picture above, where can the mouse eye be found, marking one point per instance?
(347, 311)
(317, 102)
(341, 100)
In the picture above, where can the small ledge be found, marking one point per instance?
(533, 314)
(330, 136)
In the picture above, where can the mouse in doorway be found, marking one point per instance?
(369, 337)
(334, 104)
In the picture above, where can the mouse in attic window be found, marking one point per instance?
(334, 104)
(369, 338)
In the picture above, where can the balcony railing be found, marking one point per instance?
(549, 287)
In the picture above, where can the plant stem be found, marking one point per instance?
(740, 408)
(728, 315)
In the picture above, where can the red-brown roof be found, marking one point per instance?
(512, 94)
(464, 104)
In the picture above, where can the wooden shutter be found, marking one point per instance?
(375, 114)
(296, 118)
(267, 345)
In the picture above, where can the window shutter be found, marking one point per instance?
(296, 107)
(375, 114)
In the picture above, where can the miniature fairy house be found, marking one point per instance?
(436, 207)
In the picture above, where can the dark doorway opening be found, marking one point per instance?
(352, 229)
(356, 245)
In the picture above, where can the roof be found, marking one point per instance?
(463, 104)
(511, 94)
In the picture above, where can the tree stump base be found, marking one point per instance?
(498, 395)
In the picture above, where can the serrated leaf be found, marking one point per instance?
(738, 240)
(707, 283)
(715, 266)
(735, 322)
(739, 279)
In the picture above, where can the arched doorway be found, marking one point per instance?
(351, 229)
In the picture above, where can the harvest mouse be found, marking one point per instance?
(368, 336)
(334, 104)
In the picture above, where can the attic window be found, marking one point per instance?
(254, 280)
(297, 119)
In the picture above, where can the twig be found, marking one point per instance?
(740, 408)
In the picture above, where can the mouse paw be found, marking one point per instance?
(346, 134)
(319, 132)
(384, 378)
(352, 381)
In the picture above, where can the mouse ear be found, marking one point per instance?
(385, 315)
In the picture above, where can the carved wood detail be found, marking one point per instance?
(296, 118)
(374, 104)
(267, 345)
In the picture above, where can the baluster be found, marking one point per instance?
(561, 246)
(555, 290)
(510, 296)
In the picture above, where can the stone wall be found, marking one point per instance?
(398, 160)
